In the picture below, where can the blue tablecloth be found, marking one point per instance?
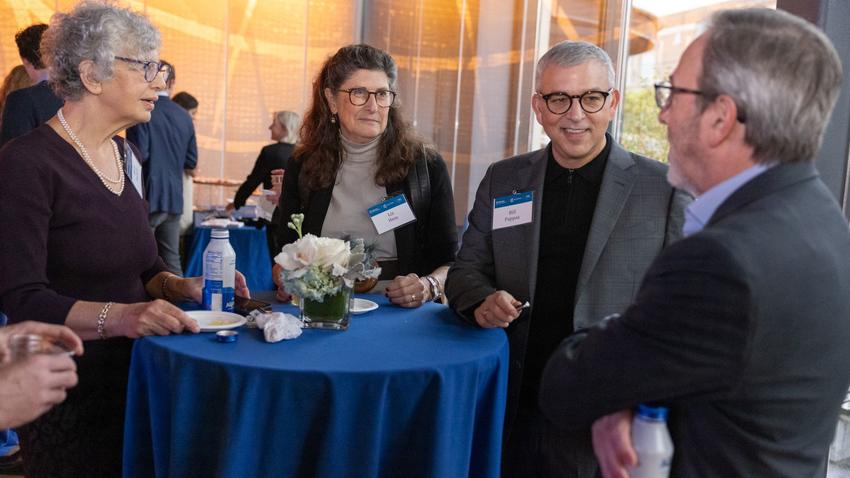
(403, 392)
(252, 255)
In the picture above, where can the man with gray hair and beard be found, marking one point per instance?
(741, 328)
(570, 229)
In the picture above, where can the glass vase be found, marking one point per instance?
(331, 313)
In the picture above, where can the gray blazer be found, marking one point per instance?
(637, 214)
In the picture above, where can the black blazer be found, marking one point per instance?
(273, 156)
(423, 245)
(741, 329)
(26, 109)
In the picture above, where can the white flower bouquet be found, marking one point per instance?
(317, 267)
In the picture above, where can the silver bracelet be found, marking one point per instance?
(101, 320)
(436, 293)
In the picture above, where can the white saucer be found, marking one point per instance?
(361, 306)
(211, 320)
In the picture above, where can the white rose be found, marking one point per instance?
(332, 252)
(299, 254)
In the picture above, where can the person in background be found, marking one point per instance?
(355, 151)
(27, 108)
(14, 81)
(77, 248)
(29, 386)
(284, 133)
(741, 328)
(168, 149)
(190, 104)
(597, 217)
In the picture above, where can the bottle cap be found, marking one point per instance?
(227, 336)
(652, 413)
(220, 234)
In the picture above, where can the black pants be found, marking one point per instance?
(536, 448)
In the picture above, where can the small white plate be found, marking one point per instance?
(361, 306)
(211, 320)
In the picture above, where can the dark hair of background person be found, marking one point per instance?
(320, 148)
(172, 73)
(29, 41)
(187, 101)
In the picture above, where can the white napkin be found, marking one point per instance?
(278, 326)
(266, 207)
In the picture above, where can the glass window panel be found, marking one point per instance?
(654, 55)
(460, 64)
(190, 30)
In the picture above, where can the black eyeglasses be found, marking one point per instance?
(664, 91)
(590, 101)
(360, 96)
(150, 68)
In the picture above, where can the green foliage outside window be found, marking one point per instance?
(642, 133)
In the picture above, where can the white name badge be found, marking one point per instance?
(512, 210)
(390, 214)
(134, 169)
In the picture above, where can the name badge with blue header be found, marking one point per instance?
(390, 214)
(512, 210)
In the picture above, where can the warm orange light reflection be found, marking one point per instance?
(242, 59)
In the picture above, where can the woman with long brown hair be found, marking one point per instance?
(357, 151)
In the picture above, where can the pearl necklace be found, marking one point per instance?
(109, 183)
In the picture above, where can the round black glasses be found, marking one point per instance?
(150, 68)
(359, 96)
(590, 101)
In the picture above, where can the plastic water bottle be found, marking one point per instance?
(219, 272)
(652, 443)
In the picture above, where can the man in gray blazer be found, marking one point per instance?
(742, 328)
(571, 229)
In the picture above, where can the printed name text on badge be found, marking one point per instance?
(512, 210)
(390, 214)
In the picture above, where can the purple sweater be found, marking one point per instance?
(65, 237)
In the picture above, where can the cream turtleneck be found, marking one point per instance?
(353, 193)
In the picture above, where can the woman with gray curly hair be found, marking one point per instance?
(77, 249)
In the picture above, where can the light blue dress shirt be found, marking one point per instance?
(702, 208)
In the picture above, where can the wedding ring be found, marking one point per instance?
(413, 297)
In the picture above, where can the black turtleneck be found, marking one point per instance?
(569, 199)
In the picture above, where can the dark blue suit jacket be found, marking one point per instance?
(168, 146)
(27, 109)
(741, 329)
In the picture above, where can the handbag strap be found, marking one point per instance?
(419, 184)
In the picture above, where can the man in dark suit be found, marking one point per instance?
(595, 217)
(168, 147)
(27, 108)
(741, 328)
